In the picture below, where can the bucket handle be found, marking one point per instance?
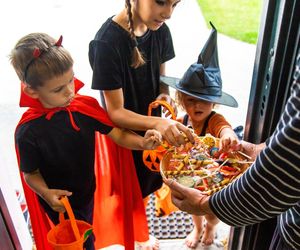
(164, 104)
(70, 213)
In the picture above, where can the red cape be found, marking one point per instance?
(119, 212)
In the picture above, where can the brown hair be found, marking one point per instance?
(51, 61)
(179, 99)
(137, 57)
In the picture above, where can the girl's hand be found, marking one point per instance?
(175, 133)
(169, 100)
(52, 197)
(152, 139)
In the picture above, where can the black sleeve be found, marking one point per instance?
(106, 66)
(167, 52)
(102, 128)
(88, 123)
(29, 154)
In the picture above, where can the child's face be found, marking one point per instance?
(197, 110)
(153, 13)
(57, 92)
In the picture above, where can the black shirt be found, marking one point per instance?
(110, 55)
(64, 156)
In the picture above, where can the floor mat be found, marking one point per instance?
(175, 226)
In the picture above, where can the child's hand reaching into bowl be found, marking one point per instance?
(152, 139)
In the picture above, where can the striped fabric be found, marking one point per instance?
(271, 186)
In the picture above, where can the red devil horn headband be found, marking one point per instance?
(59, 42)
(37, 53)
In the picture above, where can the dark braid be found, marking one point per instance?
(137, 57)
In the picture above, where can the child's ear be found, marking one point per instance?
(30, 92)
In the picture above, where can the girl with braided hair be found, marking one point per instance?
(127, 56)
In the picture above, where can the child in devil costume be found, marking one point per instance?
(55, 144)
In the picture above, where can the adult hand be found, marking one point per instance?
(251, 149)
(174, 132)
(187, 199)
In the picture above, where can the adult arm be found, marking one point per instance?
(272, 184)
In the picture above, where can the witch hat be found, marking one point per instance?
(203, 80)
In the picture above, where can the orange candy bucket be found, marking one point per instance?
(152, 158)
(69, 234)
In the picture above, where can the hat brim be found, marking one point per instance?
(224, 99)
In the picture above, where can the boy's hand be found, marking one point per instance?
(52, 197)
(152, 139)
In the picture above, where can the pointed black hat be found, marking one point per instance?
(203, 80)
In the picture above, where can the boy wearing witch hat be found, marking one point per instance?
(197, 92)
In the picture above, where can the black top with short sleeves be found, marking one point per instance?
(64, 156)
